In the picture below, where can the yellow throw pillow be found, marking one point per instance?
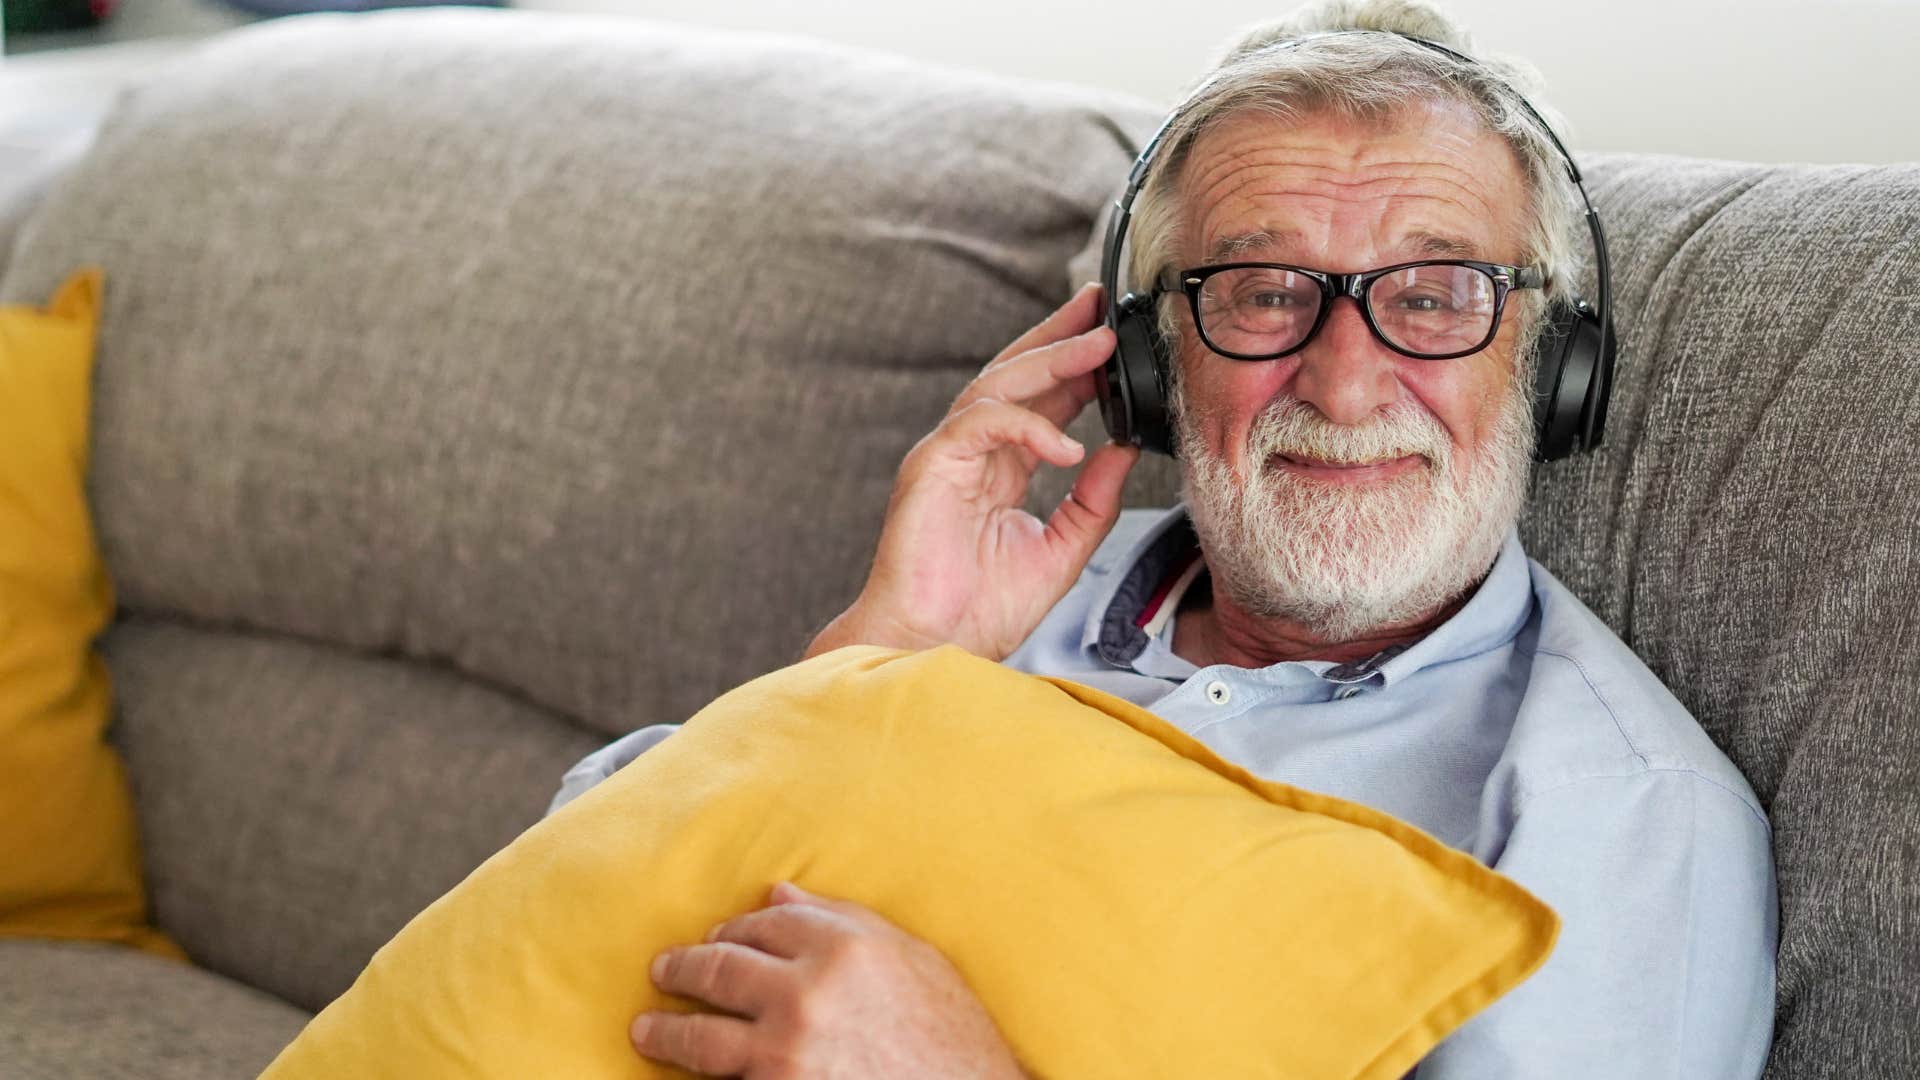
(69, 857)
(1124, 902)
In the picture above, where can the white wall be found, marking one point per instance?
(1763, 80)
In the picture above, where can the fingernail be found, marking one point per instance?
(659, 967)
(637, 1031)
(1070, 442)
(713, 933)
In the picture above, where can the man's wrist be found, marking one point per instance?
(859, 626)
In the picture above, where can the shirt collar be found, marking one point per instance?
(1111, 632)
(1490, 618)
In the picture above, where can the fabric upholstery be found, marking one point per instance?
(1000, 817)
(511, 340)
(69, 856)
(1751, 527)
(106, 1012)
(299, 803)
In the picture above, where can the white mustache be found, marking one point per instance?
(1291, 427)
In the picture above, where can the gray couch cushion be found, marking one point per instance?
(1749, 527)
(298, 803)
(104, 1012)
(577, 352)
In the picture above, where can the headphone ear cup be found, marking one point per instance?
(1133, 395)
(1571, 382)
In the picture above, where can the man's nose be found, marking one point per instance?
(1345, 372)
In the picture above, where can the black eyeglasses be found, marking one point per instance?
(1433, 310)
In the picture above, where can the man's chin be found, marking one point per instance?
(1340, 559)
(1375, 511)
(1342, 587)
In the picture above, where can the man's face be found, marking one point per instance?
(1346, 485)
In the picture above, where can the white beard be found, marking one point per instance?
(1344, 561)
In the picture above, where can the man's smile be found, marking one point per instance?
(1345, 472)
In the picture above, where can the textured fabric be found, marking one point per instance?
(1003, 818)
(1521, 731)
(69, 856)
(1749, 528)
(510, 339)
(103, 1012)
(299, 804)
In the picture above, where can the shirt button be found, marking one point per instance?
(1219, 693)
(1346, 692)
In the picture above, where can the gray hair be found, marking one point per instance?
(1371, 77)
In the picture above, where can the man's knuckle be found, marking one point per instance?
(850, 954)
(704, 1049)
(779, 1059)
(672, 1037)
(979, 409)
(805, 1013)
(712, 974)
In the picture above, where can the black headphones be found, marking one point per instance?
(1576, 350)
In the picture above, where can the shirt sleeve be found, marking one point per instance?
(606, 761)
(1664, 968)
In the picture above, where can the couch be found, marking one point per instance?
(477, 386)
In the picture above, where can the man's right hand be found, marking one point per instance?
(959, 560)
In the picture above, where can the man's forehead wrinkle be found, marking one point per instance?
(1429, 186)
(1416, 242)
(1426, 223)
(1450, 216)
(1291, 177)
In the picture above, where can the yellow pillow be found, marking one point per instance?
(1124, 902)
(69, 857)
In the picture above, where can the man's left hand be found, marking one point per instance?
(813, 987)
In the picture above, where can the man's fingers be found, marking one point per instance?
(1078, 315)
(991, 424)
(1062, 404)
(702, 1042)
(1039, 371)
(725, 975)
(786, 930)
(787, 894)
(1087, 514)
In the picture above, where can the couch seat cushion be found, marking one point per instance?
(105, 1011)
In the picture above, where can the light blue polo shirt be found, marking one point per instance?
(1521, 730)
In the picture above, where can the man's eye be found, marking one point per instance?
(1423, 303)
(1272, 300)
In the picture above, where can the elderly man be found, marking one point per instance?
(1342, 602)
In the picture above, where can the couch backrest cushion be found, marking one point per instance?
(578, 353)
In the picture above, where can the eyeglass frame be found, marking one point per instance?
(1334, 286)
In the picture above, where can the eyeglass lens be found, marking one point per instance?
(1263, 311)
